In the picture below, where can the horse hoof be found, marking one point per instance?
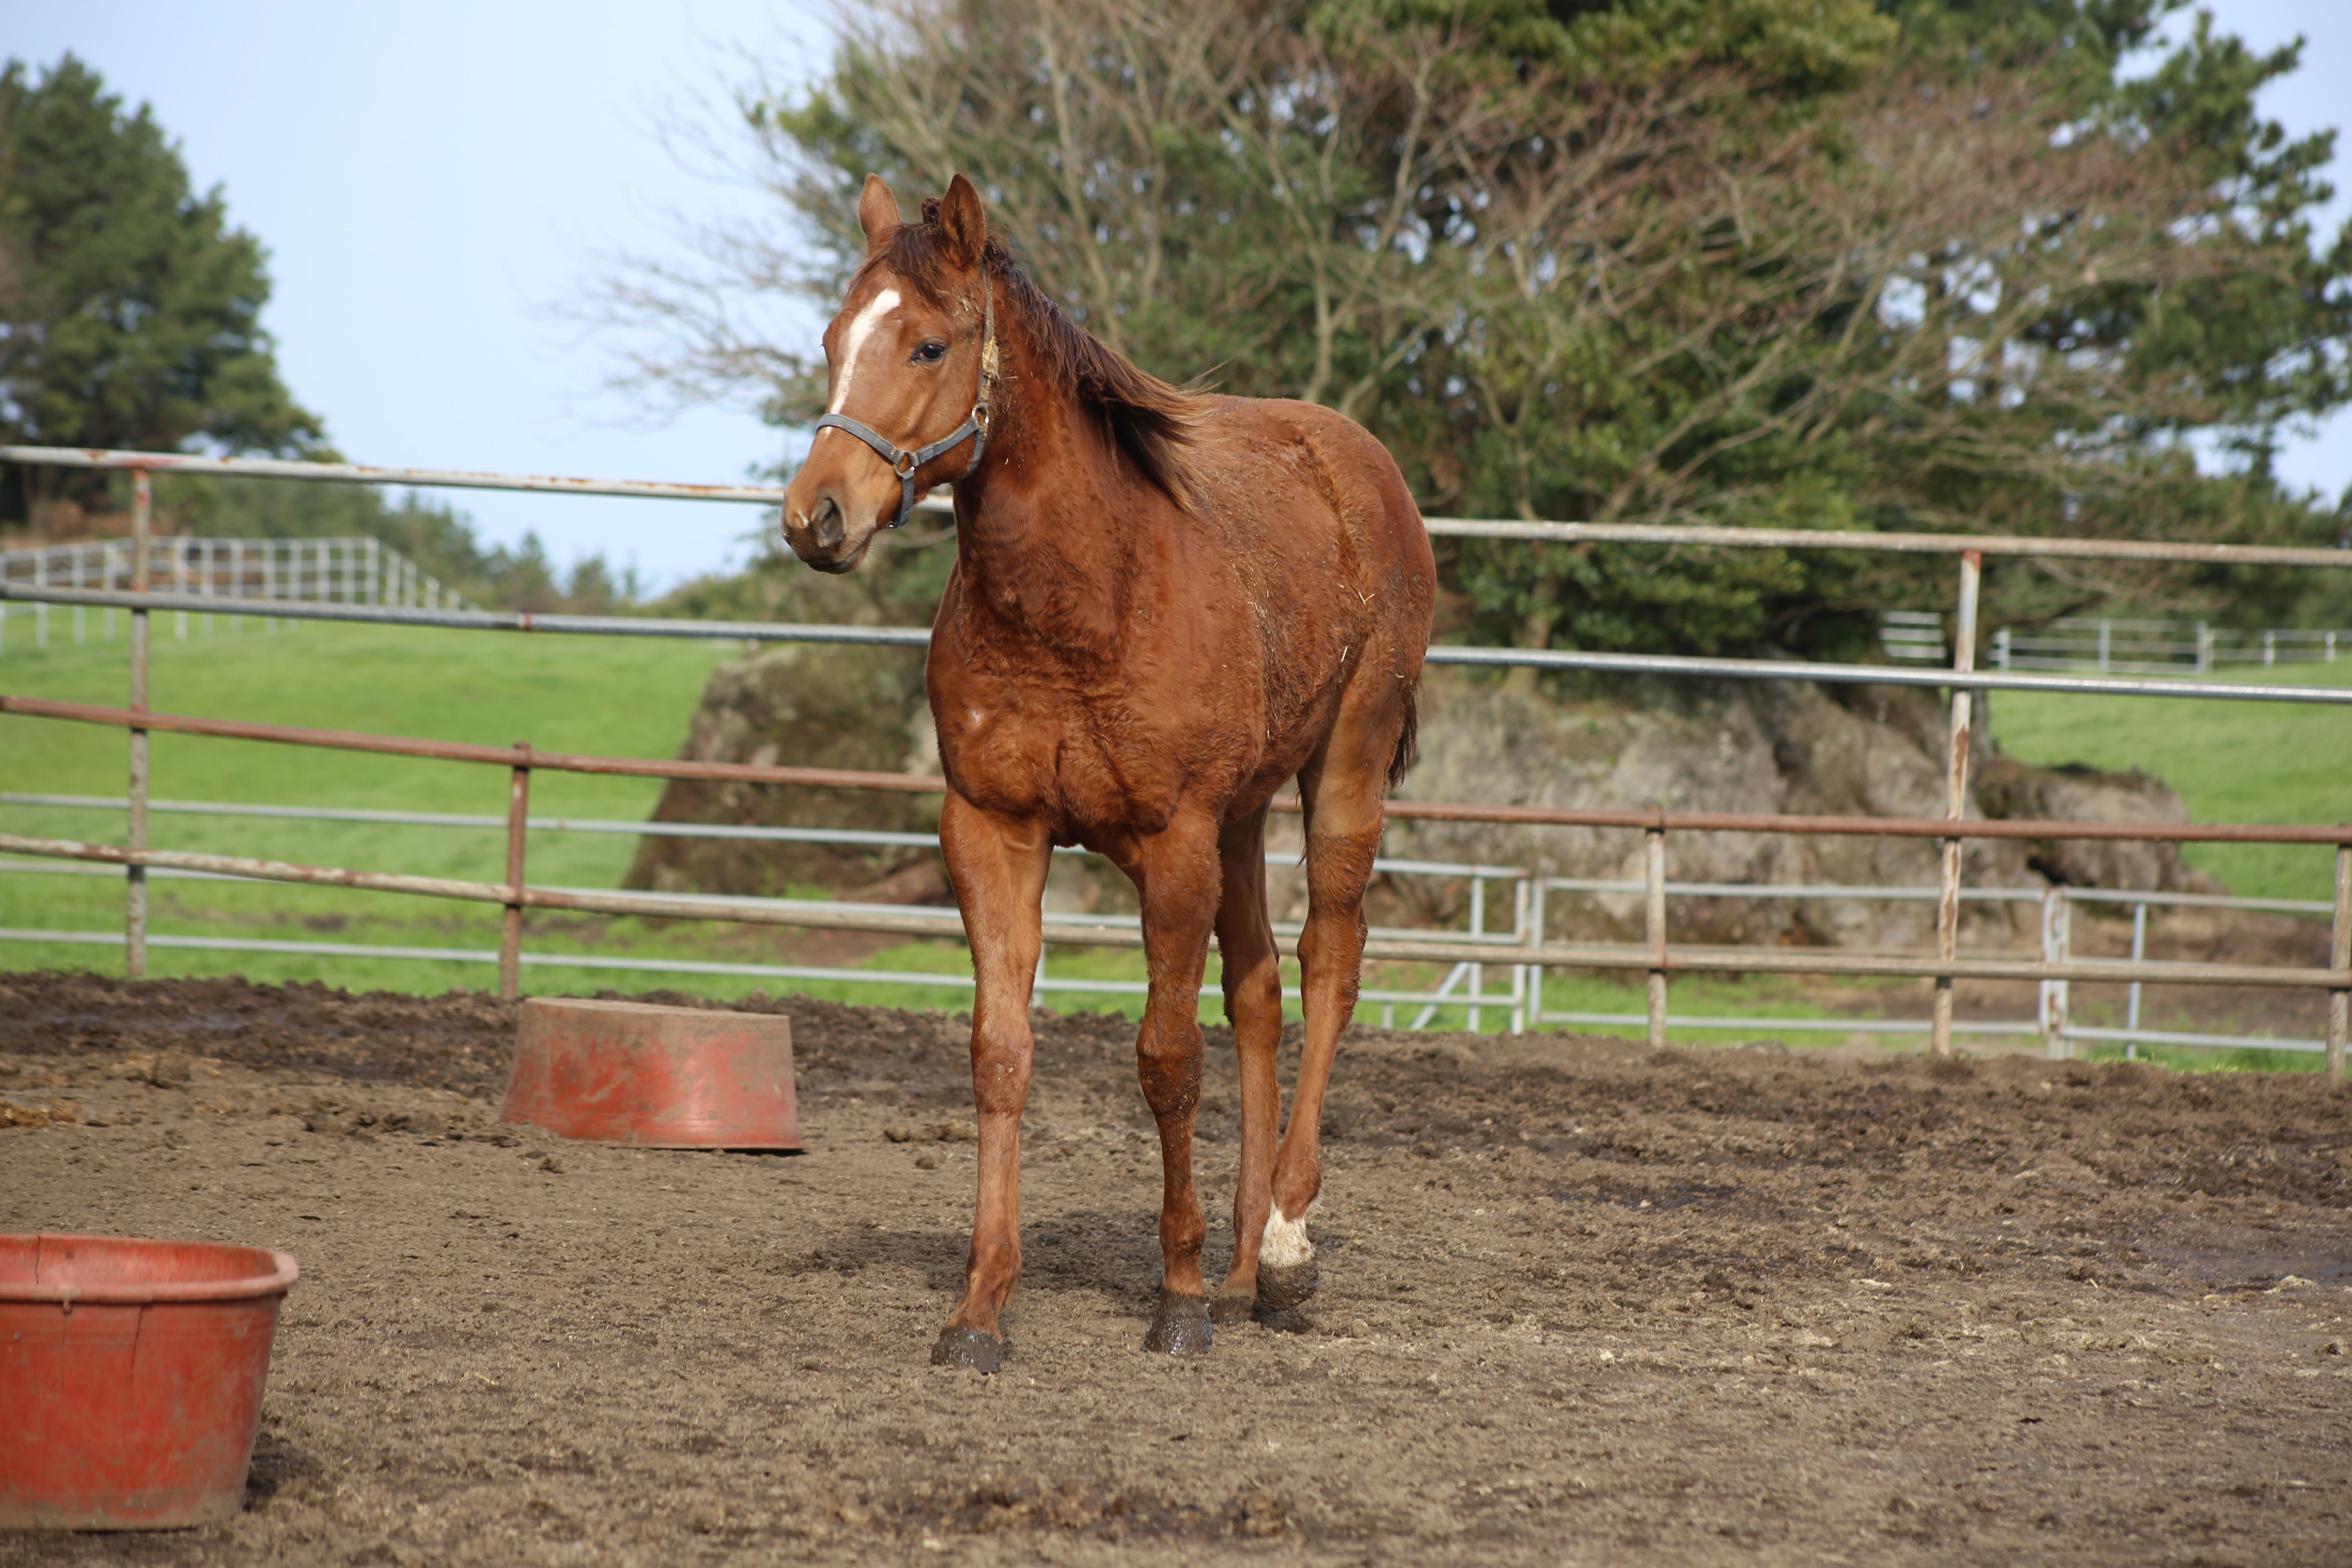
(1181, 1326)
(968, 1348)
(1283, 1287)
(1231, 1307)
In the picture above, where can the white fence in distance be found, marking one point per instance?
(2111, 645)
(341, 570)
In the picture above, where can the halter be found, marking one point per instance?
(904, 461)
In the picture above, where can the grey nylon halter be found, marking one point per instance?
(903, 460)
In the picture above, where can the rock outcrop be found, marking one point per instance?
(1753, 747)
(1731, 747)
(804, 706)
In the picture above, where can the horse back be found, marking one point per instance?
(1321, 530)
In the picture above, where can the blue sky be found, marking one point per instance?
(435, 181)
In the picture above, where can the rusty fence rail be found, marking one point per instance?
(1463, 989)
(1476, 875)
(1654, 957)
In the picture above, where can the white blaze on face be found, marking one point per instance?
(1286, 1245)
(853, 341)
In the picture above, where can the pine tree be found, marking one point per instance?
(130, 306)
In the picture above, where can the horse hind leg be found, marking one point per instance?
(1252, 987)
(1343, 789)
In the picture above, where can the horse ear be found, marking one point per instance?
(877, 212)
(963, 221)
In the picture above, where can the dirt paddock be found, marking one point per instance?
(1581, 1303)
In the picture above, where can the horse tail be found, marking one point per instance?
(1408, 738)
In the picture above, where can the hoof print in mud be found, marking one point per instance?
(1279, 1288)
(968, 1348)
(1181, 1326)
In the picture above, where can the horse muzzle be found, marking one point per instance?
(826, 528)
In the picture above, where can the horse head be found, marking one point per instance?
(909, 361)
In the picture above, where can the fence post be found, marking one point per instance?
(2339, 956)
(1956, 798)
(2204, 648)
(518, 827)
(1655, 869)
(1477, 928)
(134, 895)
(2140, 955)
(1536, 940)
(1521, 898)
(1038, 976)
(2057, 945)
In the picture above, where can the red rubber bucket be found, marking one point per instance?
(131, 1378)
(657, 1077)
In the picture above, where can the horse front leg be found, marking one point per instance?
(998, 864)
(1175, 872)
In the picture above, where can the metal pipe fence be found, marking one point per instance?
(1526, 953)
(1477, 876)
(1523, 951)
(1822, 673)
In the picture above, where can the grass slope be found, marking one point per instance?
(603, 695)
(2231, 762)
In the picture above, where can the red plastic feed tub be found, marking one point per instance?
(653, 1076)
(131, 1378)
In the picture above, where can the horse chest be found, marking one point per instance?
(1083, 766)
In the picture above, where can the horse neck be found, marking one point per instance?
(1041, 539)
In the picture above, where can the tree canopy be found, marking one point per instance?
(1941, 265)
(129, 306)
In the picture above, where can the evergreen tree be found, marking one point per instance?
(130, 306)
(1927, 265)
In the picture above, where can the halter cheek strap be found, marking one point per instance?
(904, 460)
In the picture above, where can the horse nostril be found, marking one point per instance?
(828, 525)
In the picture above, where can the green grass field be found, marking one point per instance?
(633, 697)
(2231, 762)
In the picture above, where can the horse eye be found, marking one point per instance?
(930, 353)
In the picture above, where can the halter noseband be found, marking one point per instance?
(904, 461)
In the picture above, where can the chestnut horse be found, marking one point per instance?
(1164, 607)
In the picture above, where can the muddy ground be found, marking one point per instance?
(1581, 1303)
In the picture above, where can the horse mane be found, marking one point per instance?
(1153, 422)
